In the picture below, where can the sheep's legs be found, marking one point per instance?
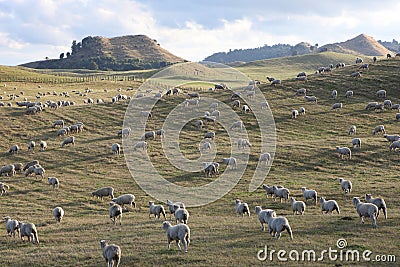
(177, 244)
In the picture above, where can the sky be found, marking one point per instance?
(32, 30)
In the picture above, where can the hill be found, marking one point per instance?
(129, 52)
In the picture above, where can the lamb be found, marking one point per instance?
(379, 202)
(277, 224)
(356, 74)
(111, 253)
(140, 144)
(301, 91)
(387, 103)
(194, 95)
(103, 192)
(181, 215)
(334, 94)
(395, 106)
(297, 206)
(115, 213)
(236, 124)
(53, 182)
(236, 103)
(394, 146)
(269, 189)
(68, 140)
(43, 145)
(371, 105)
(29, 230)
(29, 164)
(245, 109)
(281, 193)
(62, 132)
(116, 149)
(210, 170)
(18, 167)
(58, 214)
(243, 143)
(9, 170)
(381, 93)
(344, 152)
(31, 145)
(337, 106)
(210, 135)
(311, 98)
(216, 114)
(391, 138)
(346, 185)
(160, 133)
(242, 208)
(310, 194)
(125, 132)
(14, 149)
(3, 188)
(261, 214)
(58, 123)
(328, 205)
(148, 135)
(265, 157)
(302, 111)
(295, 113)
(356, 142)
(349, 94)
(352, 130)
(178, 233)
(12, 226)
(230, 162)
(128, 199)
(157, 210)
(379, 129)
(200, 124)
(173, 206)
(365, 210)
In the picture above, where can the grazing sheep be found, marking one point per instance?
(210, 170)
(379, 202)
(157, 210)
(3, 188)
(301, 91)
(311, 98)
(346, 185)
(281, 193)
(302, 111)
(68, 140)
(352, 130)
(337, 106)
(213, 106)
(115, 213)
(31, 145)
(391, 138)
(397, 116)
(349, 94)
(358, 60)
(365, 210)
(43, 145)
(230, 162)
(328, 205)
(29, 230)
(245, 109)
(29, 164)
(295, 113)
(265, 157)
(356, 74)
(395, 106)
(205, 146)
(334, 94)
(18, 167)
(12, 226)
(58, 123)
(394, 146)
(261, 214)
(140, 144)
(275, 82)
(379, 129)
(178, 233)
(14, 149)
(194, 95)
(236, 103)
(236, 124)
(62, 132)
(297, 206)
(116, 149)
(148, 135)
(364, 66)
(356, 142)
(9, 170)
(103, 192)
(173, 206)
(36, 170)
(181, 214)
(125, 132)
(243, 143)
(53, 182)
(270, 79)
(216, 114)
(111, 253)
(371, 105)
(277, 224)
(381, 93)
(210, 135)
(309, 194)
(264, 105)
(58, 214)
(242, 208)
(387, 104)
(344, 152)
(127, 199)
(160, 133)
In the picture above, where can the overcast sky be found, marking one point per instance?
(31, 30)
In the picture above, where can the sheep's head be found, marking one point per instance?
(165, 225)
(151, 203)
(356, 200)
(104, 243)
(303, 189)
(321, 199)
(340, 180)
(368, 196)
(257, 209)
(7, 218)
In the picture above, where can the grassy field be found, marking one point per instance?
(305, 156)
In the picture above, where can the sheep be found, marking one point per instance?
(269, 189)
(31, 145)
(387, 104)
(346, 185)
(181, 214)
(242, 208)
(250, 94)
(29, 230)
(397, 116)
(297, 206)
(140, 144)
(12, 226)
(205, 146)
(337, 106)
(359, 60)
(115, 213)
(261, 214)
(270, 79)
(245, 109)
(311, 98)
(54, 182)
(236, 103)
(309, 194)
(356, 142)
(125, 132)
(116, 149)
(230, 162)
(301, 91)
(9, 170)
(58, 214)
(213, 106)
(43, 145)
(173, 206)
(236, 124)
(264, 105)
(391, 138)
(328, 205)
(58, 123)
(178, 233)
(210, 135)
(265, 157)
(18, 167)
(277, 224)
(200, 124)
(29, 164)
(194, 95)
(344, 152)
(365, 210)
(243, 143)
(379, 129)
(160, 133)
(148, 135)
(380, 107)
(128, 199)
(364, 66)
(216, 114)
(334, 94)
(379, 202)
(14, 149)
(302, 111)
(371, 105)
(111, 253)
(295, 113)
(103, 192)
(356, 74)
(145, 114)
(210, 119)
(381, 93)
(62, 132)
(157, 210)
(68, 140)
(349, 94)
(36, 170)
(394, 146)
(352, 130)
(275, 82)
(210, 169)
(395, 106)
(3, 188)
(281, 193)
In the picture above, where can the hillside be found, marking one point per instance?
(305, 156)
(119, 53)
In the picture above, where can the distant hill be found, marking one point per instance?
(129, 52)
(392, 46)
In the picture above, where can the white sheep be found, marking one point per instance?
(352, 130)
(297, 206)
(160, 133)
(125, 132)
(43, 145)
(68, 140)
(31, 163)
(210, 135)
(31, 145)
(14, 149)
(371, 105)
(381, 93)
(309, 194)
(243, 143)
(103, 192)
(3, 188)
(54, 182)
(58, 123)
(295, 113)
(349, 94)
(111, 253)
(173, 206)
(236, 103)
(281, 193)
(245, 109)
(205, 146)
(216, 114)
(116, 149)
(140, 144)
(36, 170)
(397, 117)
(311, 98)
(127, 199)
(301, 91)
(230, 162)
(328, 205)
(58, 214)
(344, 152)
(11, 226)
(242, 208)
(302, 111)
(29, 230)
(379, 202)
(269, 189)
(115, 213)
(387, 103)
(334, 94)
(18, 167)
(391, 138)
(264, 105)
(265, 157)
(356, 142)
(178, 233)
(181, 214)
(148, 135)
(213, 106)
(365, 210)
(346, 185)
(379, 129)
(9, 170)
(156, 210)
(261, 214)
(236, 124)
(394, 146)
(277, 224)
(337, 106)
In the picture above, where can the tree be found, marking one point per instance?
(74, 47)
(61, 55)
(68, 54)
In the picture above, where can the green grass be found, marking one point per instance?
(305, 156)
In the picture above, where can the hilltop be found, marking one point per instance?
(118, 53)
